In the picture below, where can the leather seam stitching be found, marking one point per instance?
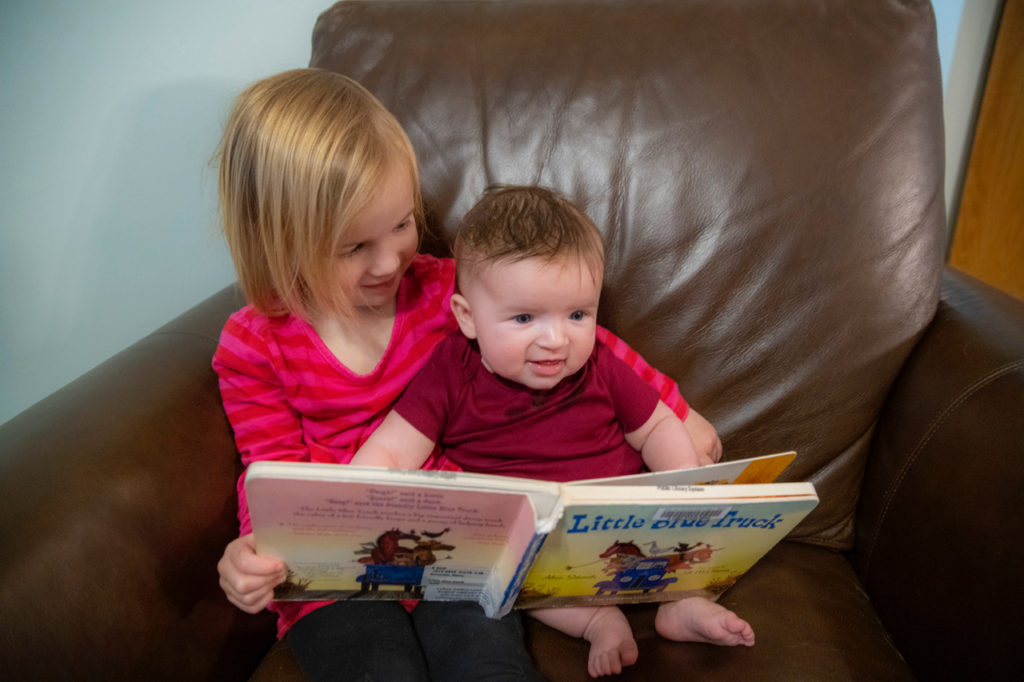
(925, 439)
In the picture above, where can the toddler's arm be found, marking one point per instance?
(396, 444)
(247, 578)
(665, 443)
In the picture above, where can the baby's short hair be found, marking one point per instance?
(515, 222)
(303, 153)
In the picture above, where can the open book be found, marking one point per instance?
(349, 532)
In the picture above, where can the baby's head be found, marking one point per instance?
(530, 266)
(304, 154)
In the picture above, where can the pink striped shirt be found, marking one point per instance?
(289, 398)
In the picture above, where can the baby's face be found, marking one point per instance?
(534, 320)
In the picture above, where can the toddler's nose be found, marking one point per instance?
(386, 262)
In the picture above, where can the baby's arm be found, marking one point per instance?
(705, 437)
(396, 444)
(664, 442)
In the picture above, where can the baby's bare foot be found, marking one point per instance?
(699, 620)
(612, 646)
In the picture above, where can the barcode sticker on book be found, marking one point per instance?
(689, 516)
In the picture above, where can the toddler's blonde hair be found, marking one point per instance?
(303, 153)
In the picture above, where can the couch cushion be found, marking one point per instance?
(768, 177)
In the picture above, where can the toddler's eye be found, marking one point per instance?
(523, 318)
(349, 251)
(577, 316)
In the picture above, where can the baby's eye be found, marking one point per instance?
(350, 251)
(523, 318)
(404, 225)
(577, 316)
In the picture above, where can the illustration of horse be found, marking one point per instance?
(387, 547)
(620, 556)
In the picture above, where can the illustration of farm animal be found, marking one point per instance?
(620, 556)
(654, 549)
(685, 556)
(423, 553)
(434, 535)
(387, 548)
(391, 563)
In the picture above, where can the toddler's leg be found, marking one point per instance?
(461, 644)
(358, 640)
(612, 646)
(700, 620)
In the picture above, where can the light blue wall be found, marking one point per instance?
(111, 112)
(947, 21)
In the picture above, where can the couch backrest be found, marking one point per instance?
(768, 177)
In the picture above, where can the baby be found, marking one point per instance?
(526, 390)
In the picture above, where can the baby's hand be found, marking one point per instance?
(705, 439)
(247, 578)
(704, 460)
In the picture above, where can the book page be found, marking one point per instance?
(363, 540)
(660, 544)
(764, 469)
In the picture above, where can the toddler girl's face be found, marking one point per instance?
(534, 320)
(380, 244)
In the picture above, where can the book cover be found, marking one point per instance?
(642, 544)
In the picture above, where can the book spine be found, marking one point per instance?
(516, 584)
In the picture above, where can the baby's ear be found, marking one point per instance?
(463, 315)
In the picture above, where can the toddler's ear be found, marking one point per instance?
(463, 315)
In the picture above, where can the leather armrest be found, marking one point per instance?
(117, 497)
(940, 525)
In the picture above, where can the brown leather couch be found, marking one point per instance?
(769, 178)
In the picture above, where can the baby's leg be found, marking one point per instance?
(611, 640)
(700, 620)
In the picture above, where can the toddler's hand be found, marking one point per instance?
(247, 578)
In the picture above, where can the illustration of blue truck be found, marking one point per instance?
(409, 577)
(644, 575)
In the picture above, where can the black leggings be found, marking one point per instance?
(363, 640)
